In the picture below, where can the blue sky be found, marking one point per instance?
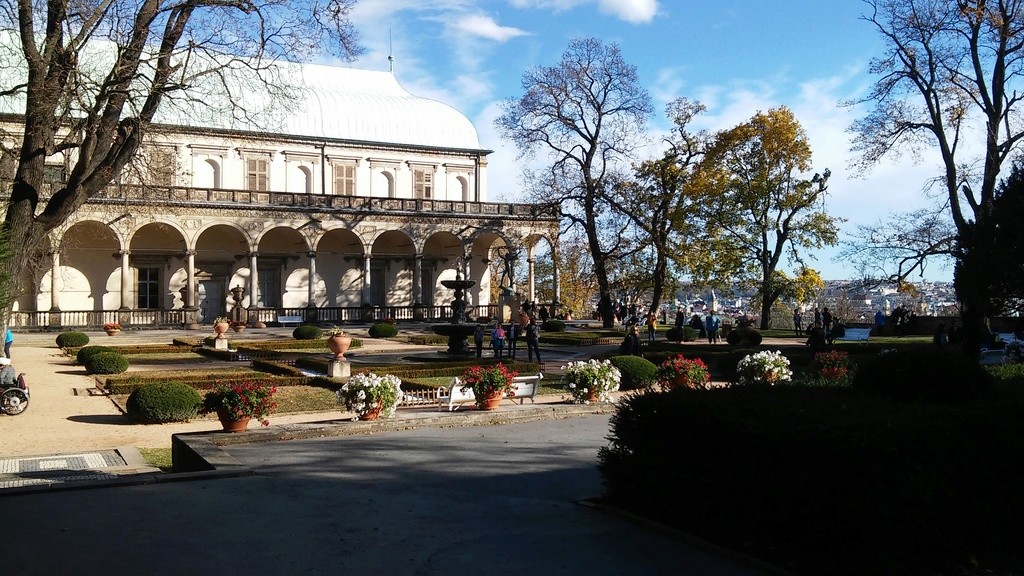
(735, 56)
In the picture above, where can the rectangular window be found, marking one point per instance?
(344, 179)
(53, 174)
(256, 174)
(422, 184)
(148, 288)
(270, 286)
(161, 166)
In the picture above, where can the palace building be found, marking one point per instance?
(358, 202)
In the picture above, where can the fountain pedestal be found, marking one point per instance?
(459, 329)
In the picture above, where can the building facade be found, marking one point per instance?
(358, 204)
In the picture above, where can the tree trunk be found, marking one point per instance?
(660, 274)
(972, 280)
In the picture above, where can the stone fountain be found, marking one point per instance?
(460, 328)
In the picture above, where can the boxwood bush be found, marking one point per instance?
(383, 330)
(87, 352)
(636, 372)
(828, 480)
(106, 363)
(690, 334)
(923, 374)
(72, 339)
(159, 402)
(307, 332)
(553, 325)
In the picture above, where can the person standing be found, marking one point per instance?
(879, 322)
(652, 325)
(711, 325)
(8, 342)
(817, 317)
(826, 320)
(478, 339)
(798, 321)
(498, 340)
(532, 341)
(513, 336)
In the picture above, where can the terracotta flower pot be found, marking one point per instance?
(338, 345)
(372, 414)
(491, 401)
(231, 423)
(238, 328)
(112, 332)
(220, 328)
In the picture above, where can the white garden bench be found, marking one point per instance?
(286, 320)
(453, 396)
(855, 335)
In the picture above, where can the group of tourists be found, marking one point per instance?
(508, 336)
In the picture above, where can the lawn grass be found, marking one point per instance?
(158, 458)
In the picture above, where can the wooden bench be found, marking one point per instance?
(286, 320)
(855, 335)
(453, 396)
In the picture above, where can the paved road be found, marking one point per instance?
(494, 500)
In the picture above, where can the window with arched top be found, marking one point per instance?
(207, 174)
(464, 192)
(306, 177)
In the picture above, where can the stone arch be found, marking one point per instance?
(485, 255)
(89, 274)
(442, 259)
(339, 282)
(541, 269)
(208, 174)
(282, 269)
(392, 257)
(463, 192)
(158, 264)
(222, 252)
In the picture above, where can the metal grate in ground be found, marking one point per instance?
(58, 468)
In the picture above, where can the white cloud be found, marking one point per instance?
(634, 11)
(485, 27)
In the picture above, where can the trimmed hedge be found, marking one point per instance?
(827, 480)
(935, 375)
(106, 363)
(636, 372)
(307, 332)
(158, 402)
(72, 339)
(553, 325)
(84, 354)
(383, 330)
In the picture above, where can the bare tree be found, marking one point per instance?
(947, 75)
(91, 76)
(586, 113)
(891, 251)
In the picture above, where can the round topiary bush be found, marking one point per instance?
(690, 334)
(159, 402)
(674, 334)
(87, 352)
(744, 336)
(72, 339)
(106, 363)
(922, 374)
(553, 325)
(383, 330)
(307, 332)
(636, 372)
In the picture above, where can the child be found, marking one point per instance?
(498, 340)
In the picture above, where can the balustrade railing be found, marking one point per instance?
(182, 195)
(177, 317)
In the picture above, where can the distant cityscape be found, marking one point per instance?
(848, 299)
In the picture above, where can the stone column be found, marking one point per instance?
(531, 293)
(190, 274)
(555, 289)
(126, 280)
(366, 279)
(254, 281)
(417, 287)
(311, 294)
(54, 287)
